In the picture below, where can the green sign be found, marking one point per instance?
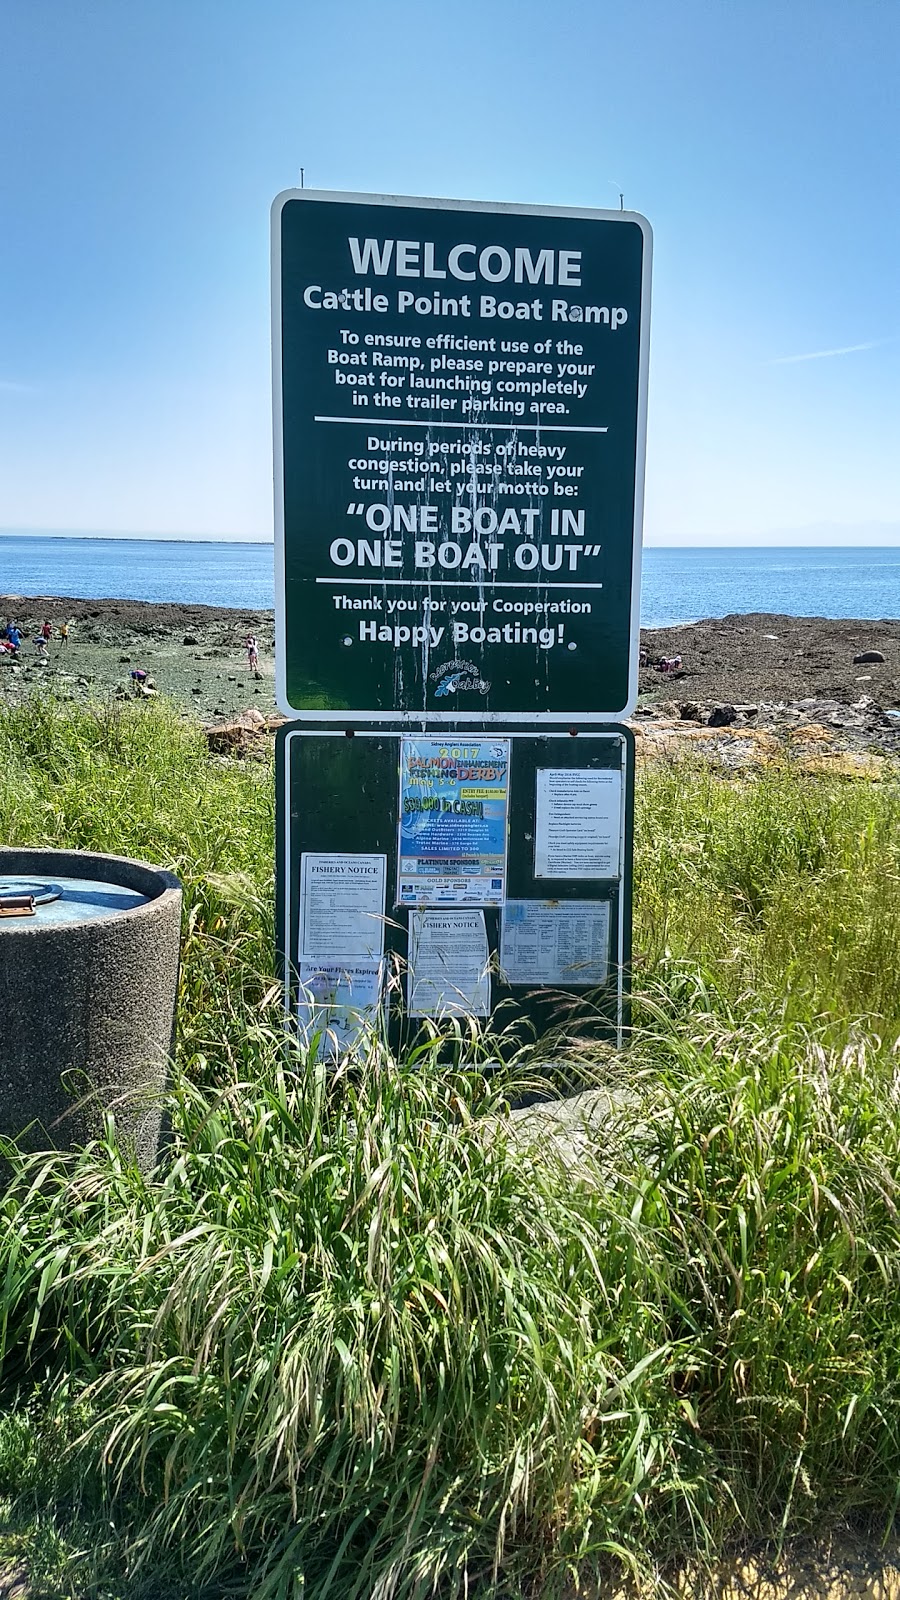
(460, 400)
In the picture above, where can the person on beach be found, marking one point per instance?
(252, 649)
(63, 631)
(46, 631)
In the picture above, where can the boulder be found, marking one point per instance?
(240, 733)
(689, 712)
(722, 717)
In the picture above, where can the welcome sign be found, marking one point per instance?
(459, 412)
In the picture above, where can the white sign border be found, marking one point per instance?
(421, 718)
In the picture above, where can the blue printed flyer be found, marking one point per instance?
(453, 814)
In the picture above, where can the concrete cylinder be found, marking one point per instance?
(87, 1000)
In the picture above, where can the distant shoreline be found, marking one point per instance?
(846, 544)
(134, 538)
(106, 536)
(86, 605)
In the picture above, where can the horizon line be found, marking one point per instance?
(111, 536)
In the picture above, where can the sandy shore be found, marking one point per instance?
(195, 655)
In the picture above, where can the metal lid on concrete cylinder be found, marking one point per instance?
(49, 900)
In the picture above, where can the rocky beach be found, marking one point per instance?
(738, 687)
(192, 654)
(748, 688)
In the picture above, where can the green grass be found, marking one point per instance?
(138, 781)
(781, 886)
(356, 1341)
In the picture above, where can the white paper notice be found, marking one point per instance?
(577, 823)
(548, 941)
(338, 1001)
(448, 964)
(341, 906)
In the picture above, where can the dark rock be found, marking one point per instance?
(190, 638)
(846, 719)
(867, 655)
(236, 735)
(722, 717)
(689, 712)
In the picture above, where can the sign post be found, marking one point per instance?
(459, 421)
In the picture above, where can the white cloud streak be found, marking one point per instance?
(823, 355)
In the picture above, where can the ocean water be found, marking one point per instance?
(678, 585)
(196, 572)
(685, 585)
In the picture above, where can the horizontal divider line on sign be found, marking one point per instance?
(401, 422)
(455, 583)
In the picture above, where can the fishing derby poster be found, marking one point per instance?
(453, 822)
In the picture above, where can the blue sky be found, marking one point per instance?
(143, 144)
